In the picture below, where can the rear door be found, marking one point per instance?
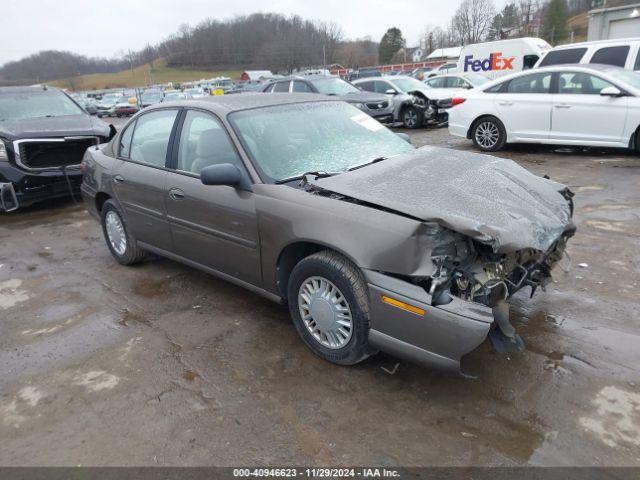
(139, 178)
(581, 114)
(215, 226)
(524, 106)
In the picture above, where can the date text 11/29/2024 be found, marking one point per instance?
(293, 472)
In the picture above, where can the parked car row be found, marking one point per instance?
(580, 104)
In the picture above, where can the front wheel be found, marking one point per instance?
(489, 134)
(121, 243)
(329, 306)
(411, 117)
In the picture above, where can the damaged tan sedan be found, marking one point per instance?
(374, 245)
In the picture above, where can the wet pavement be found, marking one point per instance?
(160, 364)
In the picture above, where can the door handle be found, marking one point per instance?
(562, 105)
(505, 104)
(176, 194)
(118, 179)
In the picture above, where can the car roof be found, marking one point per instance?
(599, 67)
(622, 41)
(224, 104)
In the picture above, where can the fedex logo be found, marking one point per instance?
(495, 62)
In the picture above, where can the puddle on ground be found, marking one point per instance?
(151, 288)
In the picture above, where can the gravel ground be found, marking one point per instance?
(163, 365)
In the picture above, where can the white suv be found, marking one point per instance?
(623, 53)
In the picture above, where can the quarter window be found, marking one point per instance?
(125, 141)
(612, 56)
(581, 84)
(559, 57)
(637, 66)
(535, 83)
(151, 137)
(204, 142)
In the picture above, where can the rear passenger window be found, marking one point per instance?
(559, 57)
(204, 142)
(534, 83)
(302, 87)
(456, 82)
(151, 137)
(611, 56)
(125, 141)
(281, 87)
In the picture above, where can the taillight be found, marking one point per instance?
(457, 101)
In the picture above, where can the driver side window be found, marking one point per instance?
(204, 142)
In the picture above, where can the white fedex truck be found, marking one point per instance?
(495, 59)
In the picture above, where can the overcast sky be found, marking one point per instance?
(102, 28)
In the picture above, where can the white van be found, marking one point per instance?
(623, 53)
(495, 59)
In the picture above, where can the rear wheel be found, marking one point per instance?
(411, 117)
(330, 309)
(489, 134)
(121, 242)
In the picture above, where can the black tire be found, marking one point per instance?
(351, 284)
(481, 134)
(411, 117)
(132, 254)
(638, 140)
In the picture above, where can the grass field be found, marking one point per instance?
(140, 76)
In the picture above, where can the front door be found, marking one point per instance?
(581, 114)
(139, 179)
(215, 226)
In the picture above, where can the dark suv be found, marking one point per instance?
(43, 136)
(376, 105)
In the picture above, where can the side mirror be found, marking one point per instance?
(610, 92)
(223, 174)
(391, 91)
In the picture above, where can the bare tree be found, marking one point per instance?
(473, 19)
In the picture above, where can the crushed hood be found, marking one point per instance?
(492, 200)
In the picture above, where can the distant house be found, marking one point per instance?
(413, 54)
(255, 75)
(451, 53)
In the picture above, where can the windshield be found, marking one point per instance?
(408, 84)
(476, 79)
(288, 140)
(626, 76)
(174, 96)
(51, 103)
(334, 86)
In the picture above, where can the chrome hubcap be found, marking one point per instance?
(325, 312)
(487, 134)
(115, 232)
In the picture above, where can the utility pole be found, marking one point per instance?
(324, 57)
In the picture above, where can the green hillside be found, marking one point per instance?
(139, 77)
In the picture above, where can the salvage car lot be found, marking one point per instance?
(161, 364)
